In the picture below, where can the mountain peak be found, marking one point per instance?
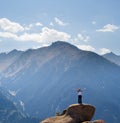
(112, 57)
(110, 54)
(15, 51)
(61, 43)
(65, 45)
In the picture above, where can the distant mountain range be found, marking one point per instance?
(45, 80)
(113, 58)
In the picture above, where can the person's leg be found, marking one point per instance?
(80, 99)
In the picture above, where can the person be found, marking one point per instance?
(79, 92)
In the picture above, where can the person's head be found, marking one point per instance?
(78, 90)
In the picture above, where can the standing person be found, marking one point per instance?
(79, 91)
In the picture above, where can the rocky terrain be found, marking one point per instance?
(75, 113)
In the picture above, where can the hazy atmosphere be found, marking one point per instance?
(59, 61)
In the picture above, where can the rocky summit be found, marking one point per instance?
(75, 113)
(96, 121)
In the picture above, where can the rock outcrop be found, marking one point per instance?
(75, 113)
(96, 121)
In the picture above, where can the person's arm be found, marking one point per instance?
(83, 89)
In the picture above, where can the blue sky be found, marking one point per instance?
(88, 24)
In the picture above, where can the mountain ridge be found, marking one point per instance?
(112, 57)
(45, 78)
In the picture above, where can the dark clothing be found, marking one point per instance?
(80, 99)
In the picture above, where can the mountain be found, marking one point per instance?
(7, 59)
(45, 80)
(10, 114)
(113, 58)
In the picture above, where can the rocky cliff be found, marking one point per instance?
(75, 114)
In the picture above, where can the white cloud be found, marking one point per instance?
(8, 35)
(39, 24)
(41, 45)
(59, 22)
(108, 28)
(10, 26)
(86, 47)
(104, 51)
(83, 38)
(46, 35)
(28, 27)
